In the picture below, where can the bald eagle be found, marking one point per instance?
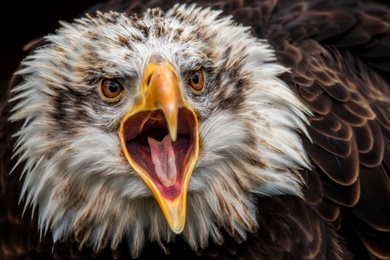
(210, 130)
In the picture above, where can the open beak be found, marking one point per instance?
(159, 137)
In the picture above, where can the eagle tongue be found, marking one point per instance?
(164, 160)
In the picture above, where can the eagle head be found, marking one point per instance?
(147, 128)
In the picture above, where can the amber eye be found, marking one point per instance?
(111, 88)
(196, 80)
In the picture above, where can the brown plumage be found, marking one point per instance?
(337, 54)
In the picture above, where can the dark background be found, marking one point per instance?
(23, 21)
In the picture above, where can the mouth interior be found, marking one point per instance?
(147, 135)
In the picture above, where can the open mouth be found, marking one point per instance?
(160, 140)
(151, 148)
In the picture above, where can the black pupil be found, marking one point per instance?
(113, 87)
(195, 78)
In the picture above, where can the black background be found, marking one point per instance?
(23, 21)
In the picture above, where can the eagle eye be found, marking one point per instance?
(196, 80)
(110, 88)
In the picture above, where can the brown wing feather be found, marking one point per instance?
(338, 52)
(346, 84)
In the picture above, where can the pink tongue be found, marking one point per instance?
(164, 160)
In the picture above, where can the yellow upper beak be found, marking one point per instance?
(161, 91)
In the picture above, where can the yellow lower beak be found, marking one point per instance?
(159, 137)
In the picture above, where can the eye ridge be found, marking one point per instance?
(110, 88)
(196, 80)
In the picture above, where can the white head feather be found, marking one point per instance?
(75, 172)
